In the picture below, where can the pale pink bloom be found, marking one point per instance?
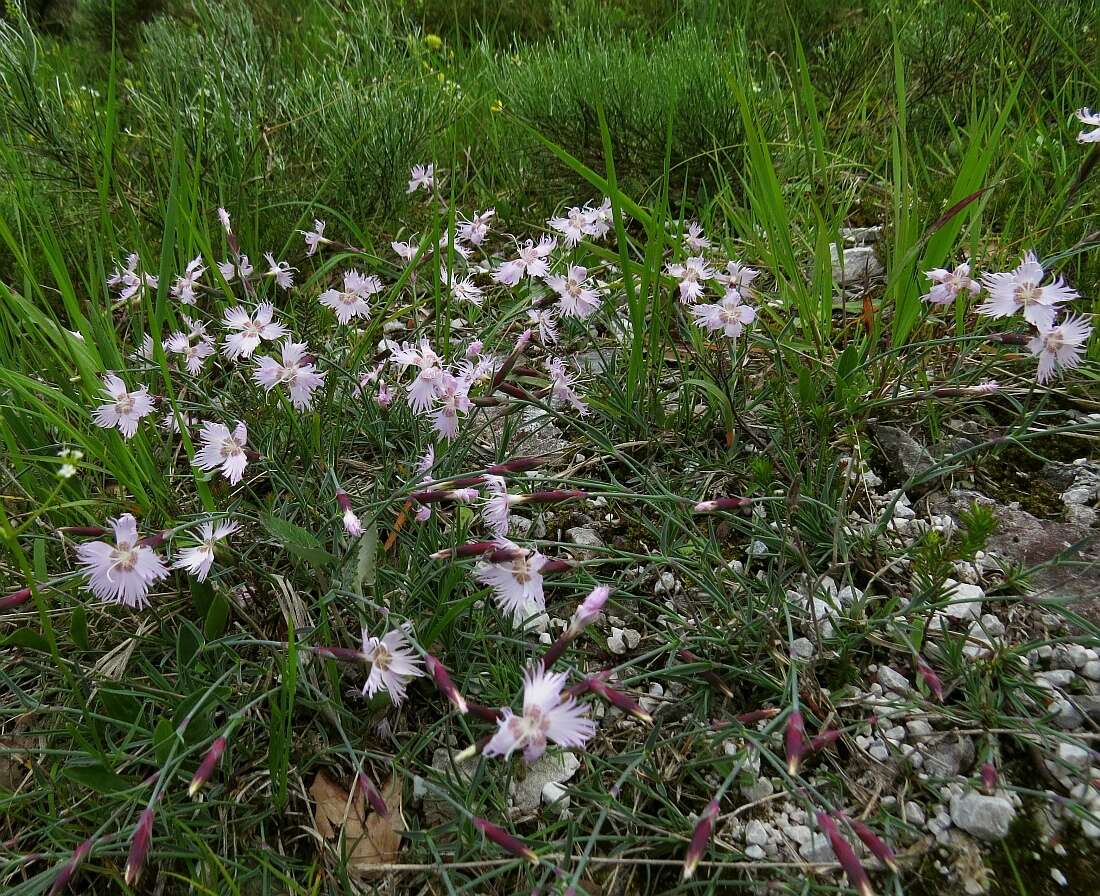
(517, 583)
(124, 409)
(171, 424)
(546, 717)
(393, 664)
(423, 514)
(1061, 346)
(406, 251)
(599, 219)
(447, 245)
(561, 386)
(315, 237)
(737, 276)
(144, 352)
(425, 463)
(453, 396)
(422, 391)
(225, 449)
(496, 509)
(352, 300)
(729, 315)
(573, 226)
(184, 287)
(464, 290)
(692, 274)
(384, 396)
(590, 608)
(476, 229)
(948, 284)
(124, 571)
(1092, 119)
(694, 238)
(421, 355)
(352, 524)
(474, 349)
(575, 297)
(128, 280)
(478, 370)
(422, 176)
(531, 262)
(368, 378)
(253, 329)
(280, 270)
(299, 376)
(465, 495)
(223, 216)
(198, 558)
(194, 354)
(1020, 290)
(229, 270)
(546, 322)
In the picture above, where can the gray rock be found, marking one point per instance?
(861, 236)
(585, 537)
(550, 768)
(817, 849)
(907, 457)
(756, 832)
(438, 811)
(803, 649)
(965, 600)
(949, 756)
(856, 266)
(892, 680)
(985, 817)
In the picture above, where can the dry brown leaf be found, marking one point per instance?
(371, 839)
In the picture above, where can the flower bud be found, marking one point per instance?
(446, 686)
(795, 742)
(377, 803)
(139, 847)
(877, 846)
(711, 678)
(930, 678)
(69, 869)
(700, 838)
(617, 699)
(207, 766)
(722, 504)
(989, 777)
(845, 855)
(515, 465)
(506, 841)
(15, 599)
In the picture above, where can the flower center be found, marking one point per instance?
(521, 570)
(124, 405)
(1028, 293)
(124, 556)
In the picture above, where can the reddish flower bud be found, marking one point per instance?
(139, 847)
(470, 549)
(795, 742)
(377, 803)
(446, 686)
(877, 846)
(343, 654)
(152, 541)
(989, 777)
(69, 869)
(824, 738)
(711, 678)
(93, 531)
(515, 465)
(550, 497)
(930, 678)
(700, 838)
(846, 856)
(343, 501)
(722, 504)
(757, 715)
(506, 841)
(207, 766)
(15, 599)
(617, 699)
(481, 711)
(550, 567)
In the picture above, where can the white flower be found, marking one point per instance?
(546, 322)
(300, 378)
(948, 284)
(546, 717)
(393, 664)
(184, 287)
(737, 276)
(68, 469)
(194, 354)
(124, 571)
(694, 238)
(692, 274)
(223, 216)
(1019, 290)
(599, 219)
(530, 261)
(128, 280)
(729, 315)
(315, 237)
(280, 270)
(573, 226)
(496, 509)
(561, 386)
(352, 302)
(125, 409)
(225, 449)
(1092, 119)
(405, 251)
(422, 176)
(516, 583)
(198, 559)
(476, 229)
(1061, 346)
(253, 329)
(229, 270)
(575, 297)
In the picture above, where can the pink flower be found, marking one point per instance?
(128, 280)
(229, 270)
(300, 377)
(572, 226)
(143, 833)
(948, 284)
(315, 237)
(561, 386)
(393, 664)
(464, 290)
(1092, 119)
(737, 276)
(546, 717)
(1019, 290)
(405, 251)
(531, 262)
(194, 353)
(575, 297)
(453, 395)
(280, 270)
(223, 216)
(352, 525)
(546, 322)
(599, 219)
(125, 409)
(251, 330)
(1061, 346)
(198, 558)
(422, 176)
(729, 315)
(352, 300)
(184, 287)
(124, 571)
(207, 766)
(476, 229)
(221, 448)
(692, 274)
(516, 583)
(694, 238)
(496, 509)
(590, 608)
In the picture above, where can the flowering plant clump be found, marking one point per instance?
(421, 490)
